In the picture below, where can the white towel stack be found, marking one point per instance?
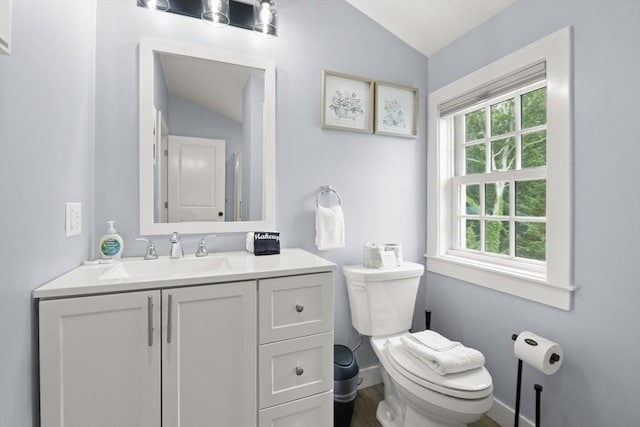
(441, 354)
(329, 228)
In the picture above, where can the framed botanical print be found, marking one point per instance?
(347, 102)
(396, 110)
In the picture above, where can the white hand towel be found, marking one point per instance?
(433, 340)
(329, 228)
(456, 359)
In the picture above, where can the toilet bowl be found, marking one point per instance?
(382, 304)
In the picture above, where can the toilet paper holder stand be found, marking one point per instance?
(554, 358)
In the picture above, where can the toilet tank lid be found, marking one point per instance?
(360, 273)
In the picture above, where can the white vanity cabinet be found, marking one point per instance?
(5, 27)
(190, 351)
(104, 360)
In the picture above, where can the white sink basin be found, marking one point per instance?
(166, 267)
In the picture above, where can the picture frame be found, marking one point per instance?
(396, 110)
(347, 102)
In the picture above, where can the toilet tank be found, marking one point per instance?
(382, 301)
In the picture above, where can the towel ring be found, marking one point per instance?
(326, 190)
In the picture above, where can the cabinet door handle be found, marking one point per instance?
(169, 311)
(150, 321)
(299, 370)
(299, 308)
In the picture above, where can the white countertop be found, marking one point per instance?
(90, 280)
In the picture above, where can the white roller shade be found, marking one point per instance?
(527, 75)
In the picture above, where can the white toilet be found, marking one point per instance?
(382, 303)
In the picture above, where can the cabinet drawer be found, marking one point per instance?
(314, 411)
(293, 369)
(295, 306)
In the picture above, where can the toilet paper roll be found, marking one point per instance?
(541, 353)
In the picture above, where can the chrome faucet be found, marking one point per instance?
(202, 246)
(176, 246)
(151, 249)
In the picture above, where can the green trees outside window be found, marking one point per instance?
(495, 220)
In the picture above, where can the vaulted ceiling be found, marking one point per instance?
(429, 25)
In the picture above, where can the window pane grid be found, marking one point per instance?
(485, 148)
(514, 134)
(494, 133)
(475, 222)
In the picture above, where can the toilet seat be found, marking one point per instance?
(472, 384)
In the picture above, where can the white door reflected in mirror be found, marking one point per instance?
(196, 190)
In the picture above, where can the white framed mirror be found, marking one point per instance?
(207, 140)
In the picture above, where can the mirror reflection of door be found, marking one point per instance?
(196, 179)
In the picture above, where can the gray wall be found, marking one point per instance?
(599, 383)
(160, 90)
(47, 104)
(253, 97)
(381, 179)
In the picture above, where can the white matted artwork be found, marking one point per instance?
(396, 110)
(347, 102)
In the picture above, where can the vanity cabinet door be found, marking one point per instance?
(100, 361)
(209, 356)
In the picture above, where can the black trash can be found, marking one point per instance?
(345, 385)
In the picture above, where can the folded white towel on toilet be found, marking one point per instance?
(433, 340)
(329, 228)
(440, 354)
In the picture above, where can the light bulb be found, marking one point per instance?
(215, 13)
(162, 5)
(265, 17)
(265, 13)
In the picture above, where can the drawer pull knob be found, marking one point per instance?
(299, 308)
(299, 371)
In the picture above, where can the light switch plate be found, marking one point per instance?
(73, 219)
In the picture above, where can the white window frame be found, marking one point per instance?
(552, 285)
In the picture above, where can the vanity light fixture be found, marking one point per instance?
(265, 17)
(215, 12)
(161, 5)
(261, 16)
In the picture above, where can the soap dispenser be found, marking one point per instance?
(111, 243)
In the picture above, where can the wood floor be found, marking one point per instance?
(364, 414)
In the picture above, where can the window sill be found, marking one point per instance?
(523, 284)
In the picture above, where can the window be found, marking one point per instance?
(499, 175)
(500, 178)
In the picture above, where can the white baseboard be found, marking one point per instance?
(369, 376)
(503, 415)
